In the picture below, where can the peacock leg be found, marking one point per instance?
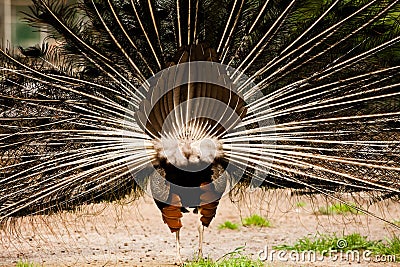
(178, 250)
(201, 232)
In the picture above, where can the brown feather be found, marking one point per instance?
(172, 214)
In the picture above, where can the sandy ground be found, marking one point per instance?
(134, 234)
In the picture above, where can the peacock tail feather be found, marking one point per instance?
(314, 86)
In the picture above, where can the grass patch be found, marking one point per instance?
(396, 222)
(323, 243)
(242, 261)
(389, 246)
(256, 220)
(301, 204)
(338, 208)
(26, 264)
(228, 225)
(231, 259)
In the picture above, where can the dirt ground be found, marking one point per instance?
(133, 234)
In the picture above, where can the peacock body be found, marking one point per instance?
(186, 100)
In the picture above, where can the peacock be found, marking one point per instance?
(187, 100)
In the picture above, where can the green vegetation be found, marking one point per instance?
(26, 264)
(256, 220)
(228, 225)
(301, 204)
(337, 208)
(323, 243)
(231, 259)
(242, 261)
(396, 222)
(389, 246)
